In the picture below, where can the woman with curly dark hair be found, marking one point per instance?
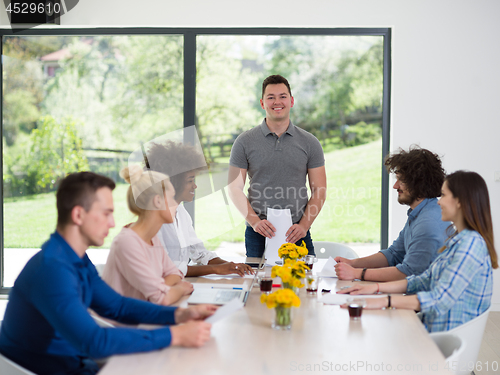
(458, 285)
(182, 162)
(419, 177)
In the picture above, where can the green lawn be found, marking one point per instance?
(28, 221)
(351, 212)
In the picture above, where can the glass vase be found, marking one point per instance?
(282, 318)
(293, 288)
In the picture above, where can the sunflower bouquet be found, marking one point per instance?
(281, 301)
(292, 251)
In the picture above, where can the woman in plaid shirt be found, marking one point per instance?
(457, 286)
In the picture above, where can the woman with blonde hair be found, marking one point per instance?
(182, 163)
(138, 265)
(458, 285)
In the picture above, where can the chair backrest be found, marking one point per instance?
(325, 249)
(99, 267)
(472, 335)
(452, 348)
(101, 322)
(8, 367)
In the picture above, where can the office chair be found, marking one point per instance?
(471, 334)
(8, 367)
(325, 249)
(452, 348)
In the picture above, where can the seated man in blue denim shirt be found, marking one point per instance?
(419, 177)
(47, 327)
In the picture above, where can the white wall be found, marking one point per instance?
(445, 75)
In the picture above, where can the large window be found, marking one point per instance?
(78, 100)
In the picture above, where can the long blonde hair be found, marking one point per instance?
(144, 186)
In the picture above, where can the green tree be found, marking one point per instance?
(148, 99)
(23, 82)
(56, 151)
(223, 91)
(335, 80)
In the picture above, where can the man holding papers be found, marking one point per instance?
(278, 156)
(419, 177)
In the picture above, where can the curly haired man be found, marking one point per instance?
(419, 177)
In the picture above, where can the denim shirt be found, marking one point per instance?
(47, 327)
(458, 285)
(422, 236)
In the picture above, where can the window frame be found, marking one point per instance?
(189, 105)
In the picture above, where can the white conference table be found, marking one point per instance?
(323, 339)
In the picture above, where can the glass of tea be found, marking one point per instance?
(310, 260)
(312, 282)
(355, 307)
(266, 284)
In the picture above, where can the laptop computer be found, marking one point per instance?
(224, 294)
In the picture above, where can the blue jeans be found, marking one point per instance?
(255, 243)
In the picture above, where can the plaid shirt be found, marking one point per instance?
(457, 286)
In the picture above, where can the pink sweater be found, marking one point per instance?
(137, 269)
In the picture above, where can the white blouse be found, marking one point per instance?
(181, 242)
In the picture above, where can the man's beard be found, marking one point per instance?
(406, 199)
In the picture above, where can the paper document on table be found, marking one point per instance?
(225, 311)
(340, 299)
(230, 276)
(329, 269)
(282, 221)
(220, 286)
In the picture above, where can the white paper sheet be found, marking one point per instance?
(282, 221)
(230, 276)
(328, 269)
(225, 311)
(220, 286)
(340, 299)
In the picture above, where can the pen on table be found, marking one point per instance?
(225, 287)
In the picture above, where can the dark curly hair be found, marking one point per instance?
(175, 159)
(419, 169)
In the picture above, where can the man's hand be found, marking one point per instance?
(198, 312)
(346, 272)
(343, 260)
(295, 233)
(264, 228)
(191, 334)
(230, 267)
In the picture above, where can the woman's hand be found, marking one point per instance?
(360, 289)
(185, 287)
(372, 303)
(230, 267)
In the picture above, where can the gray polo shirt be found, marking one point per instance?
(277, 167)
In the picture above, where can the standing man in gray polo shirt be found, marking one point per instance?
(278, 156)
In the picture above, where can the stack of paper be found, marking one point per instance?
(328, 269)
